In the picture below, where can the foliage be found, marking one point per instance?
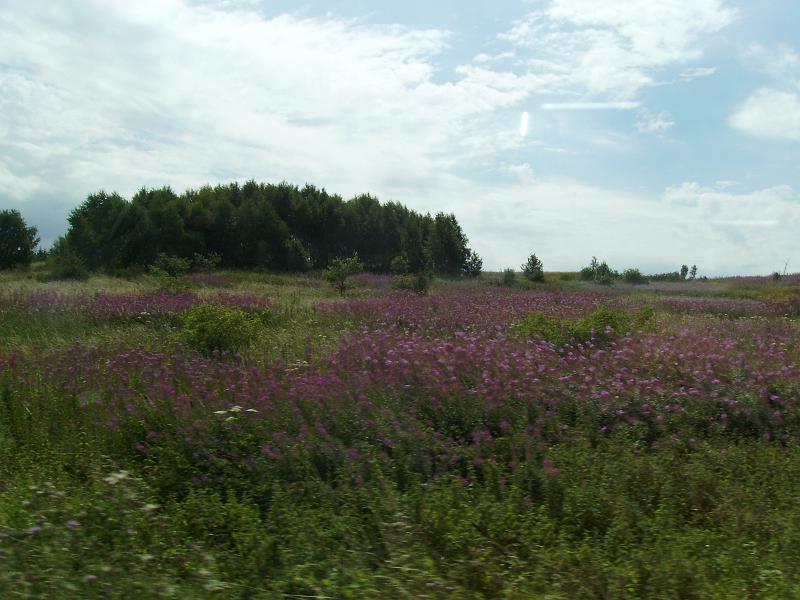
(599, 272)
(64, 263)
(279, 227)
(400, 265)
(419, 283)
(296, 257)
(533, 269)
(209, 328)
(17, 241)
(203, 263)
(599, 327)
(399, 445)
(509, 277)
(166, 265)
(473, 265)
(340, 270)
(634, 277)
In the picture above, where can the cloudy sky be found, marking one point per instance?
(648, 133)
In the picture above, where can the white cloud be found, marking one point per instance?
(770, 113)
(568, 222)
(782, 62)
(648, 122)
(614, 48)
(589, 105)
(696, 73)
(119, 95)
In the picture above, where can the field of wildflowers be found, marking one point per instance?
(392, 445)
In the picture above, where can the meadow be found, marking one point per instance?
(560, 440)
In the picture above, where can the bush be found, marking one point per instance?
(64, 263)
(600, 326)
(509, 277)
(599, 272)
(400, 265)
(634, 277)
(340, 270)
(209, 327)
(533, 269)
(170, 266)
(419, 283)
(205, 263)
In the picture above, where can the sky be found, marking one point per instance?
(648, 133)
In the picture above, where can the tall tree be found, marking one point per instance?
(17, 241)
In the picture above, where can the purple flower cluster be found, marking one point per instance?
(445, 378)
(110, 305)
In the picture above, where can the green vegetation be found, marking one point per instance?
(259, 435)
(340, 270)
(209, 328)
(17, 241)
(279, 227)
(599, 327)
(533, 269)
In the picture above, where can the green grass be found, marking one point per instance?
(84, 516)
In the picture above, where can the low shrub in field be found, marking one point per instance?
(600, 326)
(509, 277)
(419, 283)
(210, 327)
(634, 277)
(340, 270)
(64, 263)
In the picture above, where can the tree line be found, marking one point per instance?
(281, 227)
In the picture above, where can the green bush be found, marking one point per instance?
(600, 326)
(340, 270)
(64, 263)
(509, 277)
(209, 327)
(400, 265)
(205, 262)
(170, 266)
(419, 283)
(634, 277)
(533, 269)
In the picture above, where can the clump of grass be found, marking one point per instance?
(599, 327)
(208, 328)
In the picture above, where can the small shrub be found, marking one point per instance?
(209, 327)
(167, 270)
(170, 266)
(634, 277)
(205, 263)
(509, 277)
(533, 269)
(419, 283)
(65, 263)
(340, 270)
(600, 326)
(400, 265)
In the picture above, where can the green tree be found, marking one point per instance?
(533, 269)
(473, 265)
(17, 241)
(340, 270)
